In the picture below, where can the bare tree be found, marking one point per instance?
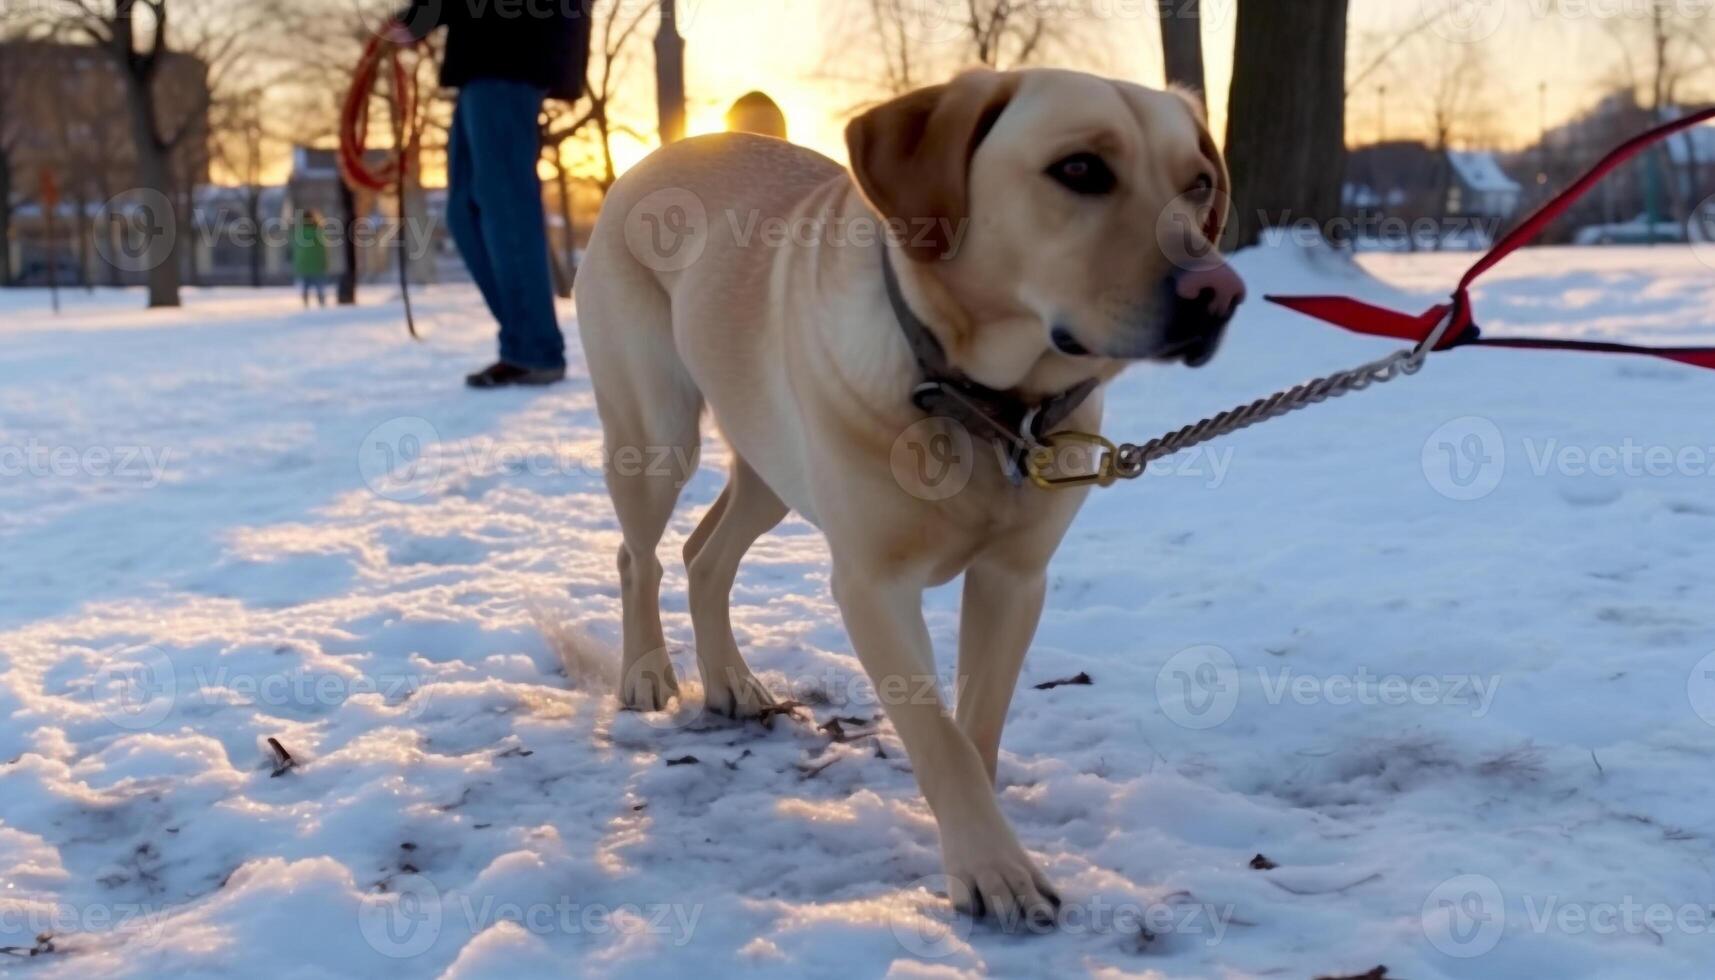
(1455, 108)
(669, 73)
(85, 155)
(241, 144)
(584, 131)
(319, 49)
(911, 43)
(1658, 55)
(1286, 124)
(142, 36)
(592, 120)
(1182, 46)
(11, 135)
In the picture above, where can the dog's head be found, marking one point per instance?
(1063, 214)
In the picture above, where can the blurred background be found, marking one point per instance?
(1376, 124)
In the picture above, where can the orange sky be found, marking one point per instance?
(796, 50)
(787, 47)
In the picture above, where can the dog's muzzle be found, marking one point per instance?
(1200, 303)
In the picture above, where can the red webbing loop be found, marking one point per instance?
(394, 171)
(354, 118)
(1364, 318)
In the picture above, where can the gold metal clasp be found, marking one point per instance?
(1044, 464)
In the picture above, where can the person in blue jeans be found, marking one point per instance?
(505, 59)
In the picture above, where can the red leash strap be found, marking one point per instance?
(354, 118)
(1376, 321)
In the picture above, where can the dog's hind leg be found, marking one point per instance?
(650, 410)
(747, 510)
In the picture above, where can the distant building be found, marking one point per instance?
(1692, 154)
(69, 103)
(1480, 188)
(1671, 181)
(756, 113)
(1411, 180)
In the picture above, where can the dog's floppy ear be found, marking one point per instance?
(912, 156)
(1215, 225)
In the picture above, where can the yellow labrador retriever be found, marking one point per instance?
(1000, 249)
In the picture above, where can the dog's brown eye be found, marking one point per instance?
(1084, 173)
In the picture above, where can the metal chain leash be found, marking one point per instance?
(1129, 461)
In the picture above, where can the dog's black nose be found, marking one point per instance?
(1201, 302)
(1067, 344)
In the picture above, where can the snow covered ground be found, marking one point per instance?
(1443, 653)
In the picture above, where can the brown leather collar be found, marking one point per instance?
(1014, 423)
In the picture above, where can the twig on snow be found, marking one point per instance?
(283, 761)
(1080, 680)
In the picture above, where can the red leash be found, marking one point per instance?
(394, 171)
(1376, 321)
(354, 118)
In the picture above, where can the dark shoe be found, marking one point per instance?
(503, 375)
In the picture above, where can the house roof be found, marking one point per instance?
(1694, 144)
(1482, 173)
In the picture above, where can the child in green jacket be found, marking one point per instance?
(310, 256)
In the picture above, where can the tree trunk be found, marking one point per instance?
(568, 230)
(104, 224)
(81, 225)
(162, 234)
(1182, 46)
(670, 75)
(348, 247)
(1286, 126)
(5, 220)
(191, 274)
(258, 243)
(1443, 191)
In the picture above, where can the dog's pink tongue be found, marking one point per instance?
(1220, 280)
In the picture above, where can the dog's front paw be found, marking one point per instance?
(648, 683)
(997, 879)
(738, 695)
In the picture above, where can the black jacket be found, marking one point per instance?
(542, 42)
